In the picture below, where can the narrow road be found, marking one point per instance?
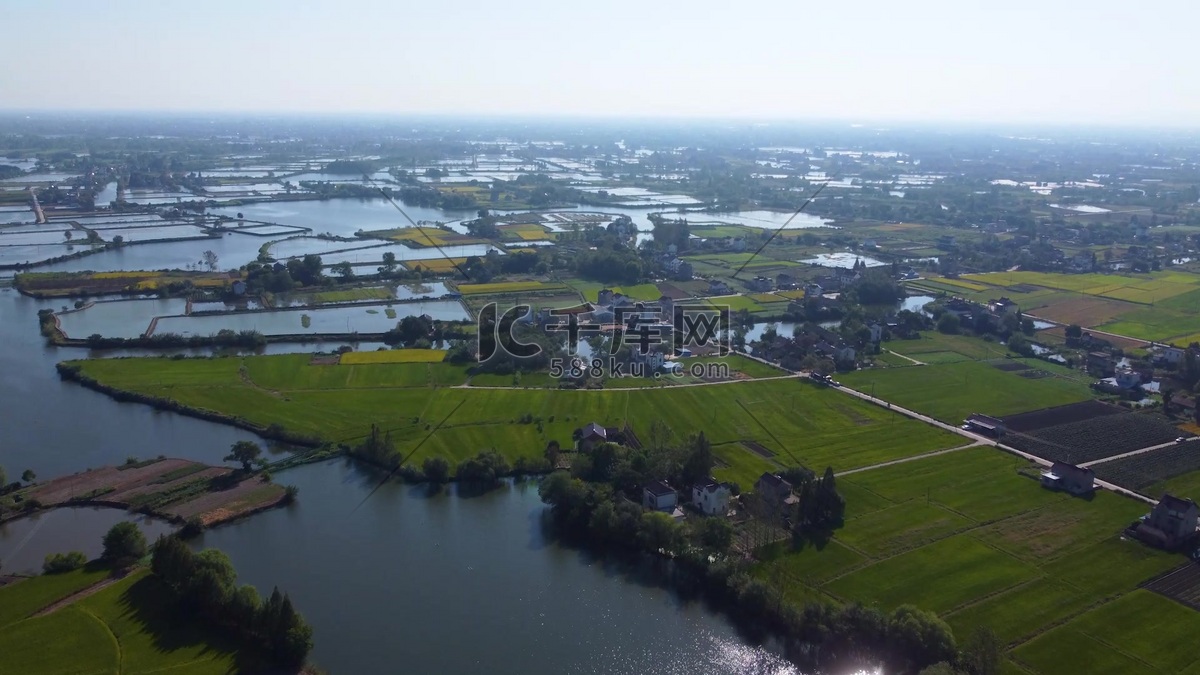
(77, 596)
(1160, 446)
(914, 458)
(984, 440)
(907, 358)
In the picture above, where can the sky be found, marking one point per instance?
(1050, 61)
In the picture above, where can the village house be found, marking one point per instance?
(876, 333)
(814, 290)
(1171, 524)
(658, 496)
(1002, 306)
(593, 435)
(984, 424)
(1125, 379)
(1101, 364)
(1069, 478)
(785, 281)
(1168, 354)
(760, 284)
(774, 490)
(716, 287)
(712, 498)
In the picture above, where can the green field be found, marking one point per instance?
(952, 391)
(966, 535)
(966, 348)
(351, 295)
(126, 628)
(1140, 632)
(800, 422)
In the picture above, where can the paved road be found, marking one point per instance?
(984, 440)
(1136, 452)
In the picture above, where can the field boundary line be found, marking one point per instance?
(116, 640)
(984, 598)
(913, 458)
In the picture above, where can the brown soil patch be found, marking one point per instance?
(150, 488)
(1088, 311)
(673, 292)
(92, 481)
(215, 507)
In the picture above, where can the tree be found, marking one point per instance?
(343, 269)
(1074, 331)
(948, 323)
(713, 533)
(246, 452)
(982, 652)
(57, 563)
(389, 262)
(172, 562)
(28, 476)
(210, 260)
(124, 545)
(699, 463)
(660, 532)
(437, 469)
(118, 240)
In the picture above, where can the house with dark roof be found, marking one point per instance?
(593, 435)
(774, 490)
(984, 424)
(659, 496)
(711, 498)
(1171, 524)
(1070, 478)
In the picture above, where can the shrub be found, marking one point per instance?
(57, 563)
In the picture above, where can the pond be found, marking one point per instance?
(118, 318)
(344, 319)
(25, 542)
(341, 217)
(233, 250)
(466, 584)
(843, 259)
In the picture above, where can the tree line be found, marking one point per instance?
(205, 583)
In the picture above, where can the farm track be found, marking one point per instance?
(76, 596)
(914, 458)
(1152, 448)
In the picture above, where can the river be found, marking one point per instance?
(446, 583)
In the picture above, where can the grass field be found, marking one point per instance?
(23, 599)
(352, 295)
(799, 422)
(393, 356)
(1158, 306)
(952, 391)
(126, 628)
(966, 535)
(931, 342)
(590, 290)
(509, 287)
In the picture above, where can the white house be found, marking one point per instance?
(876, 333)
(712, 498)
(659, 496)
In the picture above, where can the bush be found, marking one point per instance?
(124, 545)
(57, 563)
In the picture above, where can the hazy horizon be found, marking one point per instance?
(1021, 64)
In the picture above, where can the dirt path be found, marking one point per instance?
(244, 376)
(77, 596)
(914, 458)
(906, 358)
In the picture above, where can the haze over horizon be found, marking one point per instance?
(1096, 63)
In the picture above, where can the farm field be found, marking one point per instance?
(799, 422)
(393, 356)
(1158, 306)
(1170, 469)
(962, 347)
(1096, 438)
(590, 290)
(1140, 632)
(952, 391)
(509, 287)
(352, 295)
(125, 628)
(965, 534)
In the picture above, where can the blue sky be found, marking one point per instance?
(1053, 61)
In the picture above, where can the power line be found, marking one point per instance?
(784, 226)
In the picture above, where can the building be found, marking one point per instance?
(1003, 306)
(712, 498)
(658, 496)
(773, 489)
(605, 297)
(1070, 478)
(1170, 355)
(719, 288)
(785, 281)
(984, 424)
(876, 333)
(684, 271)
(593, 435)
(1171, 524)
(760, 284)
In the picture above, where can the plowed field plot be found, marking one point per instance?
(1060, 414)
(1011, 366)
(1097, 438)
(1148, 468)
(1181, 585)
